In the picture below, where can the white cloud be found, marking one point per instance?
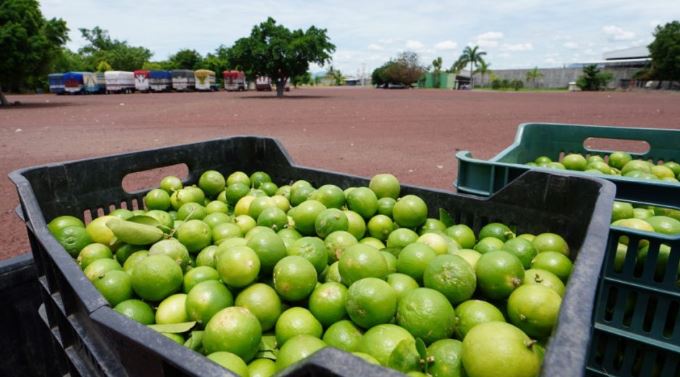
(517, 47)
(489, 39)
(414, 45)
(446, 45)
(504, 55)
(375, 47)
(615, 33)
(551, 61)
(570, 45)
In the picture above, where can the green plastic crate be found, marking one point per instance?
(636, 321)
(482, 177)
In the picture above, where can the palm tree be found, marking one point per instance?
(534, 75)
(472, 56)
(483, 69)
(437, 65)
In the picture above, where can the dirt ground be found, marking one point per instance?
(410, 133)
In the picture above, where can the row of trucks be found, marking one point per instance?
(143, 81)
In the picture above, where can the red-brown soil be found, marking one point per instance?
(410, 133)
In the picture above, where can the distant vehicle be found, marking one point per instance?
(142, 80)
(205, 80)
(264, 83)
(235, 81)
(119, 81)
(183, 80)
(81, 83)
(160, 81)
(56, 81)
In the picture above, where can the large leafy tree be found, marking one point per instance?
(186, 59)
(593, 79)
(472, 56)
(218, 61)
(275, 51)
(405, 69)
(665, 52)
(29, 44)
(119, 54)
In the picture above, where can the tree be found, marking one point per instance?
(68, 60)
(186, 59)
(533, 76)
(152, 66)
(275, 51)
(437, 69)
(473, 57)
(218, 61)
(378, 75)
(118, 54)
(665, 52)
(593, 78)
(304, 79)
(483, 69)
(103, 66)
(29, 44)
(405, 69)
(335, 76)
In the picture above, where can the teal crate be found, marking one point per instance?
(636, 320)
(480, 177)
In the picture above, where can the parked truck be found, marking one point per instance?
(234, 81)
(141, 80)
(81, 83)
(205, 80)
(56, 82)
(119, 81)
(160, 81)
(183, 80)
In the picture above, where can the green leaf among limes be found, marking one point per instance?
(445, 218)
(268, 348)
(195, 341)
(405, 357)
(174, 328)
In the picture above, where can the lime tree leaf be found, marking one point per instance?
(422, 349)
(405, 357)
(143, 219)
(267, 348)
(174, 328)
(445, 218)
(195, 341)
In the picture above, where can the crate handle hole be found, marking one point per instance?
(149, 179)
(601, 144)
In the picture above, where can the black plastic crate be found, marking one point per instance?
(536, 202)
(24, 342)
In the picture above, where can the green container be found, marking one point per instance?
(481, 177)
(636, 322)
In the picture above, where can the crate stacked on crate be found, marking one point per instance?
(636, 324)
(111, 344)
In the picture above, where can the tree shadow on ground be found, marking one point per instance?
(21, 105)
(285, 97)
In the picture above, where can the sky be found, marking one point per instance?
(513, 33)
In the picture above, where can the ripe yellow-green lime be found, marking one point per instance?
(233, 329)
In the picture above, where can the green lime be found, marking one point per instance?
(304, 216)
(296, 321)
(234, 192)
(386, 205)
(488, 244)
(330, 196)
(474, 312)
(343, 335)
(206, 257)
(156, 277)
(206, 299)
(261, 368)
(440, 243)
(329, 221)
(157, 199)
(372, 242)
(496, 230)
(61, 222)
(361, 261)
(238, 266)
(499, 349)
(173, 249)
(327, 303)
(230, 361)
(391, 261)
(233, 329)
(98, 268)
(574, 161)
(269, 248)
(385, 186)
(136, 310)
(92, 252)
(542, 160)
(363, 201)
(619, 159)
(190, 194)
(400, 238)
(273, 217)
(298, 348)
(554, 262)
(446, 356)
(356, 225)
(427, 314)
(172, 310)
(225, 231)
(125, 214)
(217, 206)
(413, 259)
(115, 286)
(380, 227)
(263, 302)
(433, 225)
(337, 242)
(664, 224)
(522, 249)
(622, 210)
(171, 184)
(401, 283)
(258, 178)
(534, 309)
(410, 211)
(550, 242)
(544, 278)
(73, 239)
(379, 341)
(498, 274)
(294, 278)
(198, 275)
(238, 177)
(370, 302)
(452, 276)
(133, 259)
(313, 249)
(269, 188)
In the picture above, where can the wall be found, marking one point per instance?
(554, 77)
